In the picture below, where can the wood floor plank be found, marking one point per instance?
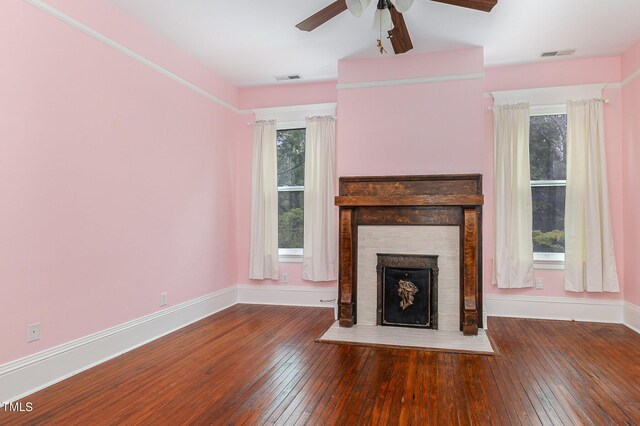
(591, 401)
(544, 407)
(548, 380)
(255, 364)
(600, 364)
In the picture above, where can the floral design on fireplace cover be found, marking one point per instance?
(406, 290)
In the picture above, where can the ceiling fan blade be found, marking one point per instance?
(399, 35)
(319, 18)
(482, 5)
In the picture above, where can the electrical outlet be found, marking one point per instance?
(539, 283)
(33, 332)
(163, 299)
(285, 277)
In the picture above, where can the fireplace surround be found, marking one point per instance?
(436, 200)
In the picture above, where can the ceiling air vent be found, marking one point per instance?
(558, 53)
(288, 77)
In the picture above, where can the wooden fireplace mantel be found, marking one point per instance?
(449, 200)
(409, 200)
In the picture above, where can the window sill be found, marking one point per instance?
(290, 255)
(550, 261)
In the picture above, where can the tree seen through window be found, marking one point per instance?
(291, 153)
(548, 160)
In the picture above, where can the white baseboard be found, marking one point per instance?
(631, 316)
(35, 372)
(556, 308)
(287, 295)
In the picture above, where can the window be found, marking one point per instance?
(290, 193)
(548, 161)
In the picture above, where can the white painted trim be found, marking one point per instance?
(291, 125)
(549, 95)
(631, 316)
(631, 78)
(610, 86)
(408, 81)
(265, 294)
(290, 255)
(548, 265)
(133, 55)
(35, 372)
(557, 308)
(552, 261)
(290, 258)
(558, 109)
(294, 116)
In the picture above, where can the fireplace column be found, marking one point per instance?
(471, 280)
(347, 270)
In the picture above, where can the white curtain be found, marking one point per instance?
(264, 203)
(513, 246)
(320, 214)
(590, 263)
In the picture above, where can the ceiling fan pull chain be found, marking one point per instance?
(379, 45)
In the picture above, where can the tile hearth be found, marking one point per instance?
(410, 338)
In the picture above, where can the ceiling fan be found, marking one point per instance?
(388, 17)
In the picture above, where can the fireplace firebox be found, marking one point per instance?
(407, 290)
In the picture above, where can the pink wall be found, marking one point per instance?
(117, 183)
(554, 73)
(631, 170)
(287, 94)
(466, 61)
(566, 73)
(630, 61)
(426, 128)
(120, 183)
(368, 118)
(267, 97)
(109, 20)
(415, 129)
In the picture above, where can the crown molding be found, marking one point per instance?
(130, 53)
(630, 78)
(410, 81)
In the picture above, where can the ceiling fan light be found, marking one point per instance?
(402, 5)
(382, 20)
(357, 7)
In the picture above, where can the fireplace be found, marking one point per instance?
(407, 290)
(416, 207)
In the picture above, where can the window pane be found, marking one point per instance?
(548, 147)
(290, 219)
(548, 219)
(291, 157)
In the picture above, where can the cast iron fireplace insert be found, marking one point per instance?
(407, 290)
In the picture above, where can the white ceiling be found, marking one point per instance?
(248, 42)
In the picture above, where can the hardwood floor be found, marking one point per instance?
(260, 364)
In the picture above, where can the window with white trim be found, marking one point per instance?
(291, 145)
(548, 167)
